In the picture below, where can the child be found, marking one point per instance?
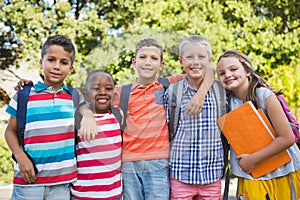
(49, 133)
(196, 155)
(238, 77)
(145, 149)
(99, 161)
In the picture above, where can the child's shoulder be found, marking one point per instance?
(175, 78)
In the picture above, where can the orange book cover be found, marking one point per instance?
(249, 130)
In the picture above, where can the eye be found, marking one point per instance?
(220, 73)
(109, 88)
(95, 88)
(189, 58)
(50, 59)
(154, 57)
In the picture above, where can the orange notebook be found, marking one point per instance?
(248, 130)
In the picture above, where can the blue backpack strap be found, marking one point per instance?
(21, 119)
(165, 82)
(21, 112)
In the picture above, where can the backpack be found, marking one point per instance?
(293, 122)
(174, 102)
(21, 115)
(124, 98)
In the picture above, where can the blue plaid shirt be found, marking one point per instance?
(196, 155)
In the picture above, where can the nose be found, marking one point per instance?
(102, 91)
(227, 74)
(56, 65)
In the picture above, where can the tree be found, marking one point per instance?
(105, 33)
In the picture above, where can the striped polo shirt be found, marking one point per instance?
(49, 134)
(146, 136)
(99, 162)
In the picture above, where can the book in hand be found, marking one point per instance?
(249, 130)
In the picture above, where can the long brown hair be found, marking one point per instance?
(255, 81)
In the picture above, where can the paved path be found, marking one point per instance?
(5, 190)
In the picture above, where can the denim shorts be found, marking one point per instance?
(146, 179)
(54, 192)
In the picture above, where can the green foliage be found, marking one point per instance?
(105, 33)
(6, 167)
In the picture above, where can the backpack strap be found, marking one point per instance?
(21, 120)
(221, 102)
(174, 102)
(21, 112)
(118, 114)
(124, 98)
(165, 82)
(75, 96)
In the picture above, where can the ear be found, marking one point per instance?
(248, 72)
(180, 60)
(41, 63)
(133, 62)
(210, 59)
(71, 69)
(162, 65)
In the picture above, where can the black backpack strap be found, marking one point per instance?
(118, 114)
(124, 98)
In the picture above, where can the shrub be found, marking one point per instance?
(6, 167)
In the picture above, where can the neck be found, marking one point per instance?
(241, 92)
(142, 81)
(195, 83)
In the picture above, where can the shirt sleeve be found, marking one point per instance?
(12, 106)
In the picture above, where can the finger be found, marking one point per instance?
(31, 177)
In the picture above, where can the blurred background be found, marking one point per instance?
(105, 33)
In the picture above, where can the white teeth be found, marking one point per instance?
(102, 100)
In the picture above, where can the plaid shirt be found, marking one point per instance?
(196, 155)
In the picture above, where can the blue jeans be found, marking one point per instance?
(146, 180)
(55, 192)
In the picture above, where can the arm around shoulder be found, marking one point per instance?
(194, 106)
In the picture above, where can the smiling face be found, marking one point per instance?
(56, 64)
(232, 75)
(147, 63)
(100, 91)
(195, 60)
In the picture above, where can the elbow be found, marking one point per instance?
(291, 140)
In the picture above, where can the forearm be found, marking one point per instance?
(11, 138)
(206, 83)
(88, 126)
(194, 106)
(85, 111)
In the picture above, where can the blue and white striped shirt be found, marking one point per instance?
(196, 155)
